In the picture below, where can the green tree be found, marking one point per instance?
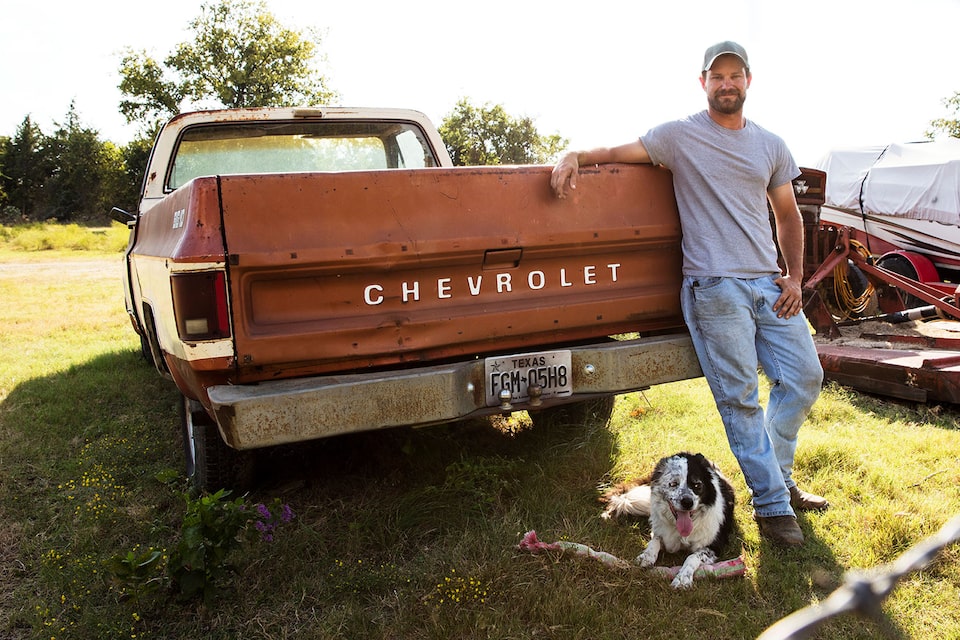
(489, 135)
(71, 175)
(82, 168)
(123, 190)
(26, 167)
(148, 97)
(238, 55)
(950, 126)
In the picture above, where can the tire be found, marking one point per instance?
(210, 464)
(145, 350)
(901, 265)
(592, 411)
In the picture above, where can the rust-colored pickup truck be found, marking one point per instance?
(302, 273)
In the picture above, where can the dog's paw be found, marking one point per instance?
(646, 559)
(683, 580)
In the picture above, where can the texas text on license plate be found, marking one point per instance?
(548, 369)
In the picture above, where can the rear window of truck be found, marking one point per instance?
(289, 147)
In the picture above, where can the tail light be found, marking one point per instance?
(200, 305)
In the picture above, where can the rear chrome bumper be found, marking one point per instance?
(285, 411)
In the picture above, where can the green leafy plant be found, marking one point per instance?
(213, 527)
(138, 572)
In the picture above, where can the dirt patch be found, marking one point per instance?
(93, 267)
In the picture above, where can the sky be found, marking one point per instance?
(826, 73)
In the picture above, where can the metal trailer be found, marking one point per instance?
(918, 368)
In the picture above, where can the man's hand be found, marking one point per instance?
(564, 176)
(790, 302)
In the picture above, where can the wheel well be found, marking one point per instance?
(153, 343)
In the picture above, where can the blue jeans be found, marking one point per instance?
(735, 332)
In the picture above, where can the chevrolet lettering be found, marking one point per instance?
(500, 283)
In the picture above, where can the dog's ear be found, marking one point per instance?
(709, 463)
(705, 461)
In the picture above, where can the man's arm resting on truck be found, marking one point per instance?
(783, 201)
(564, 175)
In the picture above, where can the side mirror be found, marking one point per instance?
(121, 216)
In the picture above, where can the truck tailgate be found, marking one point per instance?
(345, 271)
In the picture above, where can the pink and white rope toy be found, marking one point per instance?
(725, 569)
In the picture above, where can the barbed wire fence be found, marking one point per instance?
(863, 592)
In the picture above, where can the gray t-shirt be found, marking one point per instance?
(721, 177)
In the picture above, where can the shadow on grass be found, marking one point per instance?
(115, 411)
(112, 410)
(404, 486)
(80, 449)
(115, 421)
(48, 421)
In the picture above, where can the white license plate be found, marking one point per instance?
(550, 370)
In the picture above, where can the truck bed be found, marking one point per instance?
(347, 271)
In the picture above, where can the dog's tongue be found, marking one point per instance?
(684, 524)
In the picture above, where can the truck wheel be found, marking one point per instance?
(145, 350)
(210, 464)
(595, 410)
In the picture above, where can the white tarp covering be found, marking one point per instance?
(919, 180)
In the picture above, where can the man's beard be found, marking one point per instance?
(727, 107)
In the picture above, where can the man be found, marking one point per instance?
(742, 311)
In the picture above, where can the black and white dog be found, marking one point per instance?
(690, 506)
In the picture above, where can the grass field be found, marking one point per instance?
(412, 534)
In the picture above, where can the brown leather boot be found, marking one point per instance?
(802, 501)
(781, 530)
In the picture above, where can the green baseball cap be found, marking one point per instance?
(723, 48)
